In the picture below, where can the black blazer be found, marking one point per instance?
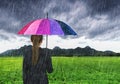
(36, 74)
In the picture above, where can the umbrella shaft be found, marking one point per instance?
(46, 41)
(46, 44)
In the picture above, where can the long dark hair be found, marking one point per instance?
(36, 40)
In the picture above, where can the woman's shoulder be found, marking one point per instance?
(27, 50)
(45, 51)
(41, 51)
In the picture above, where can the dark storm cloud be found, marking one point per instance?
(24, 9)
(89, 18)
(103, 20)
(16, 13)
(102, 6)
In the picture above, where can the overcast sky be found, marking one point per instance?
(97, 22)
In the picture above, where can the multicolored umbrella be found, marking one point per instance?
(47, 27)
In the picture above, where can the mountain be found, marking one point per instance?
(57, 51)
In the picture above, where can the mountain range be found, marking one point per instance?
(57, 51)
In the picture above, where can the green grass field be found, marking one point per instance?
(67, 70)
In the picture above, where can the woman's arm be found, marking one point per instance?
(25, 67)
(25, 70)
(49, 64)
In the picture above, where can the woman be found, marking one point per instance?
(36, 63)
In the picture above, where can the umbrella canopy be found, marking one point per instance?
(47, 26)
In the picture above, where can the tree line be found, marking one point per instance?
(57, 51)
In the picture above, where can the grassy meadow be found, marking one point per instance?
(67, 70)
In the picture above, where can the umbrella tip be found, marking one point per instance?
(47, 14)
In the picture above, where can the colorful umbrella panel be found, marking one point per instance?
(47, 27)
